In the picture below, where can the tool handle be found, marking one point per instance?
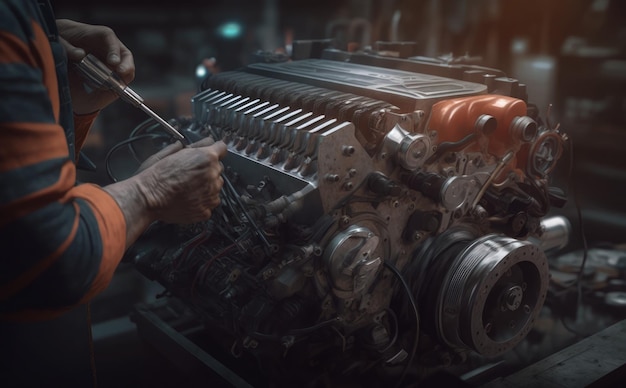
(99, 76)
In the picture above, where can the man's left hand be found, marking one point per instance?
(80, 39)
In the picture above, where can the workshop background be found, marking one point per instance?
(571, 53)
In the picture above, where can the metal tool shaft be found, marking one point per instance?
(163, 123)
(99, 76)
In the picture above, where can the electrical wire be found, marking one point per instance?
(396, 329)
(229, 186)
(142, 127)
(393, 340)
(189, 246)
(130, 140)
(578, 283)
(235, 195)
(310, 329)
(581, 228)
(450, 145)
(200, 274)
(226, 199)
(407, 289)
(581, 271)
(296, 332)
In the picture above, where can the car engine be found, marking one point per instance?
(380, 217)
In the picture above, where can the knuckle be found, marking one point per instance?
(106, 30)
(213, 175)
(211, 156)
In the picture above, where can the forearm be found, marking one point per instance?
(134, 206)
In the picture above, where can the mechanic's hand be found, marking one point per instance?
(184, 187)
(171, 149)
(79, 39)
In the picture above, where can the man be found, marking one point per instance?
(60, 242)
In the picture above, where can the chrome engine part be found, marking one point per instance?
(374, 221)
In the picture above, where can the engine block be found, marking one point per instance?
(375, 222)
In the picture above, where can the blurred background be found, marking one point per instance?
(570, 53)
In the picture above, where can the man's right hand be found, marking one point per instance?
(171, 149)
(184, 187)
(181, 188)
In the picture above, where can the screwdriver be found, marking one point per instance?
(99, 76)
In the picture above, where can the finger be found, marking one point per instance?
(126, 68)
(215, 185)
(219, 148)
(165, 152)
(74, 54)
(213, 202)
(206, 214)
(207, 141)
(112, 45)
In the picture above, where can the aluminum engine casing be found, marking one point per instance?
(340, 173)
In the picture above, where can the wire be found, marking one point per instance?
(396, 329)
(229, 186)
(130, 140)
(235, 195)
(189, 246)
(407, 289)
(306, 330)
(142, 127)
(226, 199)
(571, 329)
(204, 267)
(581, 225)
(392, 318)
(450, 145)
(295, 332)
(581, 271)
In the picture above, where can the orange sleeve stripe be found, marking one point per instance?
(27, 204)
(112, 226)
(82, 125)
(29, 276)
(24, 144)
(46, 64)
(14, 50)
